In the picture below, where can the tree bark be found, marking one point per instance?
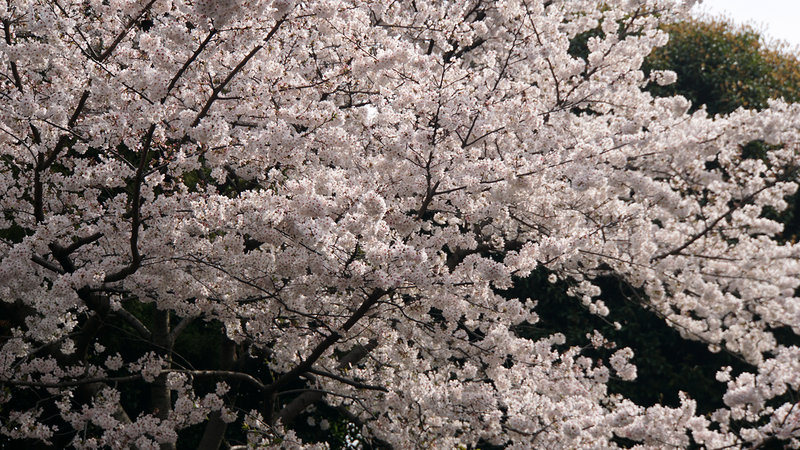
(306, 399)
(216, 427)
(159, 391)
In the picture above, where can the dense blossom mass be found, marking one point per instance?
(341, 190)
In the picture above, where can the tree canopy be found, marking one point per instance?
(219, 215)
(724, 66)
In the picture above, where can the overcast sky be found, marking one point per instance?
(780, 18)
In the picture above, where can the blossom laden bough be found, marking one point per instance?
(338, 190)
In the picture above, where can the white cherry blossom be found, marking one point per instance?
(340, 189)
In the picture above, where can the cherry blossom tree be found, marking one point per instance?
(340, 190)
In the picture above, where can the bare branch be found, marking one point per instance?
(225, 374)
(137, 325)
(47, 265)
(181, 326)
(72, 383)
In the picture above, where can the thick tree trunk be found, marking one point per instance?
(215, 429)
(159, 391)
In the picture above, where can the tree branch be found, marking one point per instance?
(306, 399)
(215, 429)
(47, 264)
(744, 201)
(133, 21)
(188, 62)
(181, 326)
(131, 320)
(347, 381)
(225, 374)
(61, 254)
(136, 218)
(217, 90)
(305, 366)
(72, 383)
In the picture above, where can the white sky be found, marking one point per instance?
(779, 18)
